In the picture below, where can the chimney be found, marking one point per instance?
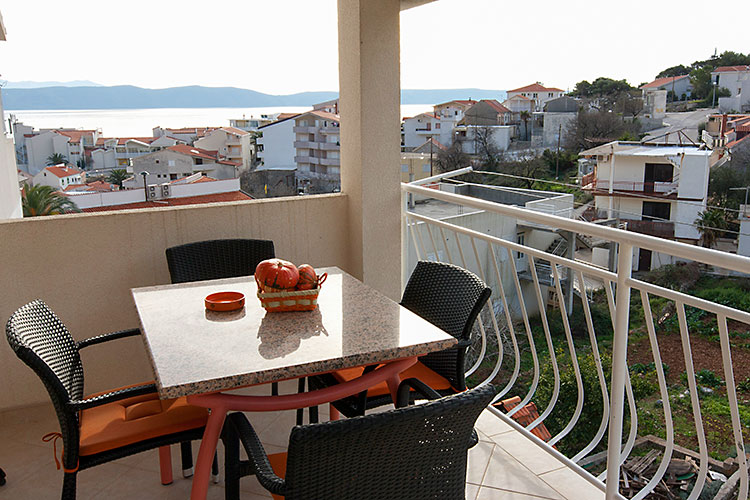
(723, 128)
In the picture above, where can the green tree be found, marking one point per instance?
(45, 200)
(118, 175)
(678, 70)
(56, 159)
(711, 224)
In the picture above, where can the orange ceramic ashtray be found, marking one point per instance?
(225, 301)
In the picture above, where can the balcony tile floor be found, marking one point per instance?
(504, 465)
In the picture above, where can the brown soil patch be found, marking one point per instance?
(706, 355)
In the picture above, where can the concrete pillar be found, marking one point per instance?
(369, 86)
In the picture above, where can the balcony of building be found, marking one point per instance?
(330, 162)
(310, 160)
(329, 146)
(369, 231)
(306, 145)
(304, 130)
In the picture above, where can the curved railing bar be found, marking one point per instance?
(573, 359)
(599, 372)
(432, 240)
(697, 417)
(413, 230)
(550, 347)
(483, 350)
(734, 408)
(511, 332)
(529, 336)
(664, 393)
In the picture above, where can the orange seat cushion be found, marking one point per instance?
(135, 419)
(418, 370)
(278, 464)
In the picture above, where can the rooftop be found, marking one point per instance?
(536, 87)
(663, 81)
(62, 171)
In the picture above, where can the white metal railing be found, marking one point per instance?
(505, 324)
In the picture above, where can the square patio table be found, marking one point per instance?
(195, 352)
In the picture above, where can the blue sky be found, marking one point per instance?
(287, 46)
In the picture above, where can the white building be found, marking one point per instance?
(59, 177)
(538, 93)
(251, 124)
(232, 143)
(679, 86)
(743, 244)
(658, 190)
(118, 152)
(276, 149)
(469, 137)
(423, 127)
(10, 197)
(736, 79)
(40, 145)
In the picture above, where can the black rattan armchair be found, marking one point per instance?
(447, 296)
(144, 422)
(215, 259)
(419, 453)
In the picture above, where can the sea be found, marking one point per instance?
(141, 122)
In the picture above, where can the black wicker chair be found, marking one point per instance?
(42, 341)
(215, 259)
(447, 296)
(419, 453)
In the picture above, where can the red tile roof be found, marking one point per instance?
(234, 130)
(465, 102)
(200, 153)
(496, 106)
(75, 135)
(525, 416)
(171, 202)
(203, 178)
(730, 69)
(62, 171)
(535, 87)
(663, 81)
(519, 96)
(196, 131)
(324, 115)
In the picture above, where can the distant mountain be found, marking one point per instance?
(130, 97)
(37, 85)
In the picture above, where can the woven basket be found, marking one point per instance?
(296, 300)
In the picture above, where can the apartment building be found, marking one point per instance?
(118, 152)
(419, 129)
(33, 147)
(537, 93)
(316, 143)
(59, 177)
(232, 143)
(724, 129)
(10, 197)
(185, 134)
(180, 161)
(736, 79)
(251, 124)
(657, 189)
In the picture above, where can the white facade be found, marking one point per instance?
(276, 146)
(233, 144)
(419, 129)
(58, 177)
(660, 189)
(556, 127)
(500, 136)
(654, 103)
(10, 195)
(317, 142)
(168, 165)
(743, 245)
(537, 93)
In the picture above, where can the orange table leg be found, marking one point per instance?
(165, 464)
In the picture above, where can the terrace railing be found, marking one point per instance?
(509, 353)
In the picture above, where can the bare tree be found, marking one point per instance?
(592, 128)
(451, 158)
(485, 148)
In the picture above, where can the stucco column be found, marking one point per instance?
(369, 85)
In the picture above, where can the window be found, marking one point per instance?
(171, 163)
(437, 125)
(426, 168)
(655, 210)
(550, 94)
(156, 161)
(520, 239)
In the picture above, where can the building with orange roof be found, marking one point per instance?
(232, 143)
(38, 145)
(679, 86)
(736, 79)
(118, 152)
(425, 126)
(59, 177)
(180, 161)
(538, 93)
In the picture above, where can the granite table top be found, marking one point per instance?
(194, 350)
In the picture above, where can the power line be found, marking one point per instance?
(541, 196)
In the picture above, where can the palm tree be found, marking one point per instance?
(117, 175)
(45, 200)
(56, 159)
(711, 224)
(525, 115)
